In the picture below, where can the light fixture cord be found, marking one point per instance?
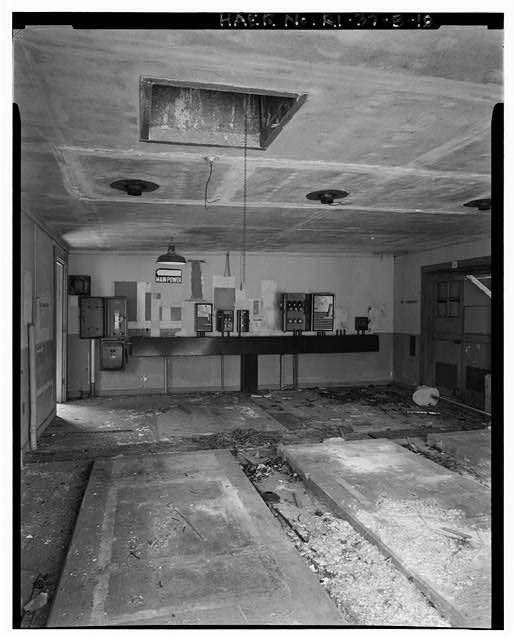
(206, 187)
(243, 277)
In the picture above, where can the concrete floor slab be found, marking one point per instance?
(470, 447)
(434, 524)
(182, 539)
(193, 419)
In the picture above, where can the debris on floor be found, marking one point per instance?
(366, 587)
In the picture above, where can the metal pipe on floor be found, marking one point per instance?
(460, 404)
(32, 387)
(165, 374)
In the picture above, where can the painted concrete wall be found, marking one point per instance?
(37, 306)
(407, 301)
(358, 282)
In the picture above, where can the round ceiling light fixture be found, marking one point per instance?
(134, 187)
(482, 204)
(327, 196)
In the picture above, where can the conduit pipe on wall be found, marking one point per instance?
(32, 387)
(92, 368)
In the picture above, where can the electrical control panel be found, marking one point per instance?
(295, 312)
(79, 285)
(203, 316)
(91, 317)
(225, 320)
(322, 306)
(243, 320)
(115, 317)
(113, 354)
(361, 324)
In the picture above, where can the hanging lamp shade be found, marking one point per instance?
(171, 258)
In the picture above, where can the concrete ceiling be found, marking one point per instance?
(401, 120)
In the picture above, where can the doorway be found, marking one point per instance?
(60, 329)
(456, 329)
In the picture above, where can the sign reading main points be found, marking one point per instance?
(168, 276)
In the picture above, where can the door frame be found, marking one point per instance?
(60, 258)
(468, 266)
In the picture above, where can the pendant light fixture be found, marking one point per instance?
(170, 258)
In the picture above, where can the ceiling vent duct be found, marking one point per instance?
(174, 112)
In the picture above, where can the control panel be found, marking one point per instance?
(225, 320)
(91, 317)
(243, 320)
(295, 312)
(203, 317)
(361, 324)
(115, 317)
(113, 354)
(323, 311)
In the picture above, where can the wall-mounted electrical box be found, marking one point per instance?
(79, 285)
(243, 320)
(225, 320)
(113, 352)
(295, 312)
(203, 316)
(361, 324)
(115, 317)
(91, 317)
(323, 311)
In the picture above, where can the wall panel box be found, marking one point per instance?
(322, 306)
(113, 354)
(91, 317)
(225, 320)
(79, 285)
(115, 317)
(203, 316)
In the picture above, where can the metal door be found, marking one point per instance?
(446, 333)
(460, 336)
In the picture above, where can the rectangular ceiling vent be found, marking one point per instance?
(213, 115)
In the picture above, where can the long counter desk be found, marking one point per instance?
(251, 345)
(249, 348)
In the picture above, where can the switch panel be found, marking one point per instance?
(323, 311)
(295, 312)
(203, 316)
(225, 320)
(243, 321)
(361, 324)
(116, 317)
(91, 317)
(113, 354)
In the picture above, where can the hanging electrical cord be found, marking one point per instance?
(210, 160)
(243, 254)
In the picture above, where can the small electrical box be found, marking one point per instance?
(361, 324)
(79, 285)
(243, 320)
(203, 316)
(113, 352)
(295, 312)
(225, 320)
(91, 317)
(323, 311)
(115, 317)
